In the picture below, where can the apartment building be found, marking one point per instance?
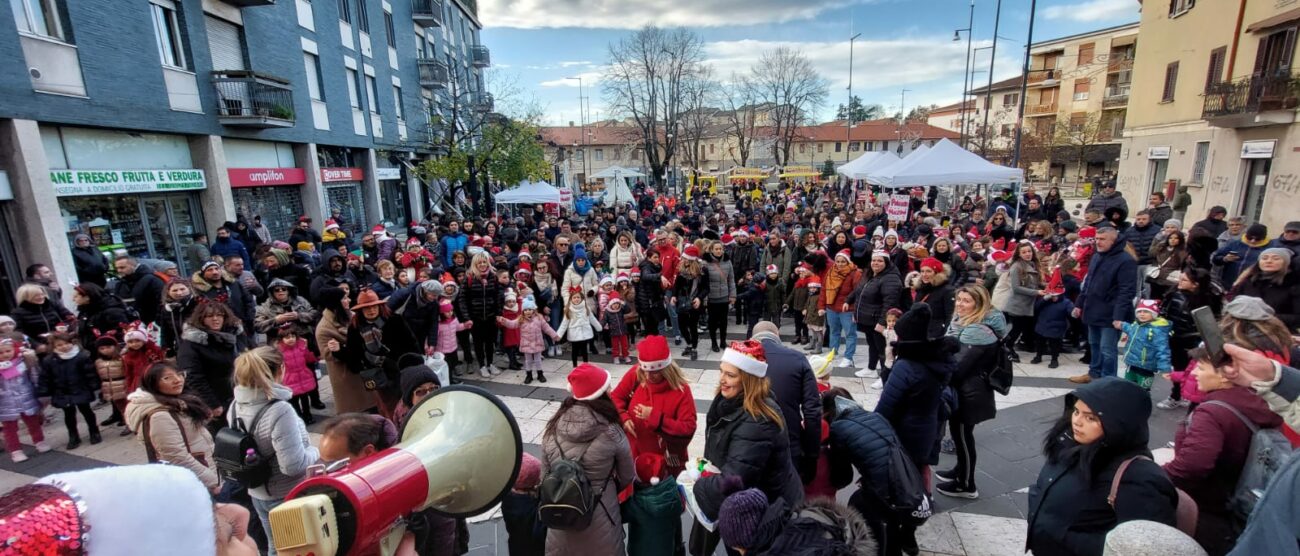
(1076, 104)
(990, 119)
(814, 145)
(143, 123)
(1214, 108)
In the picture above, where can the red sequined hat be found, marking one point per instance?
(748, 356)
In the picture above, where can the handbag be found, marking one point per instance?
(1002, 372)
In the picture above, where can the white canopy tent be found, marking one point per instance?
(859, 167)
(616, 184)
(617, 172)
(529, 193)
(944, 164)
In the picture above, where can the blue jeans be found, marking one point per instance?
(670, 324)
(841, 324)
(263, 508)
(1104, 343)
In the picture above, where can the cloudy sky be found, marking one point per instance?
(905, 44)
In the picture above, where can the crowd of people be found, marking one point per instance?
(942, 298)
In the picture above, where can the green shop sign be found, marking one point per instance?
(70, 183)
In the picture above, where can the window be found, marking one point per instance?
(1081, 89)
(1010, 99)
(988, 102)
(802, 148)
(397, 103)
(1171, 81)
(1006, 130)
(40, 17)
(1199, 161)
(1214, 73)
(372, 94)
(821, 147)
(363, 20)
(167, 33)
(855, 147)
(354, 98)
(1179, 7)
(345, 10)
(420, 46)
(1087, 53)
(839, 147)
(599, 154)
(711, 145)
(1078, 121)
(312, 62)
(388, 29)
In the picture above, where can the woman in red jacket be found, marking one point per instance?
(655, 405)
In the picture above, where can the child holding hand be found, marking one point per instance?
(530, 326)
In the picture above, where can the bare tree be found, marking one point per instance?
(1078, 136)
(647, 75)
(697, 116)
(786, 80)
(739, 98)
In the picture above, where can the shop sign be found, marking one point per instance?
(1258, 149)
(260, 177)
(332, 175)
(68, 183)
(388, 173)
(896, 210)
(1157, 153)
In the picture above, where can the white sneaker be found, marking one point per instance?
(1170, 403)
(864, 373)
(42, 447)
(18, 456)
(843, 362)
(493, 370)
(878, 384)
(483, 372)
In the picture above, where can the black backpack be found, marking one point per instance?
(236, 455)
(887, 472)
(566, 500)
(1000, 371)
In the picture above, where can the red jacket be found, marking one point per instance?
(510, 336)
(668, 258)
(1210, 454)
(671, 423)
(841, 295)
(135, 363)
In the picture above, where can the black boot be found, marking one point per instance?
(1038, 358)
(1015, 357)
(541, 377)
(1053, 364)
(528, 377)
(95, 438)
(74, 443)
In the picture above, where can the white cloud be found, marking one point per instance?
(532, 14)
(577, 63)
(1094, 10)
(589, 79)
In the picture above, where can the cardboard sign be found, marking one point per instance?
(896, 210)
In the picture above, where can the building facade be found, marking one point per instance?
(144, 123)
(990, 119)
(1214, 108)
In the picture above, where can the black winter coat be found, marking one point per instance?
(1141, 239)
(1068, 510)
(743, 258)
(208, 360)
(974, 395)
(650, 292)
(100, 318)
(36, 321)
(91, 265)
(421, 316)
(685, 289)
(483, 299)
(742, 446)
(141, 289)
(875, 296)
(795, 388)
(862, 439)
(1109, 289)
(912, 395)
(1282, 295)
(68, 382)
(941, 300)
(171, 319)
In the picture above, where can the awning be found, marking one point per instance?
(1279, 19)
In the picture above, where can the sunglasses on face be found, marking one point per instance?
(279, 290)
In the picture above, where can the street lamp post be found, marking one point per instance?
(848, 109)
(965, 77)
(1024, 84)
(997, 20)
(582, 117)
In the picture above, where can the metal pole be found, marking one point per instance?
(1024, 84)
(848, 109)
(997, 19)
(966, 81)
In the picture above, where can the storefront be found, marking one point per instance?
(265, 181)
(131, 192)
(394, 196)
(343, 193)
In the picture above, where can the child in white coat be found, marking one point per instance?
(579, 325)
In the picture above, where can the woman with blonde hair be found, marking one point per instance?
(746, 444)
(976, 325)
(626, 254)
(38, 316)
(483, 297)
(280, 434)
(655, 405)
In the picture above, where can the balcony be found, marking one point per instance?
(250, 3)
(1041, 109)
(254, 100)
(1116, 96)
(1120, 62)
(1252, 102)
(479, 56)
(433, 73)
(1043, 78)
(485, 103)
(427, 13)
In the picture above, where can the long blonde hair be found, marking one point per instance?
(755, 391)
(260, 368)
(983, 303)
(473, 265)
(672, 375)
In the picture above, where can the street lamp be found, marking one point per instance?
(582, 117)
(1024, 84)
(997, 20)
(848, 110)
(965, 76)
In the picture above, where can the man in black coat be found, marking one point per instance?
(795, 388)
(138, 287)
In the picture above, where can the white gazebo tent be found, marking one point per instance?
(945, 164)
(528, 193)
(859, 167)
(618, 191)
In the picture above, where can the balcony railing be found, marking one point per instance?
(1251, 96)
(250, 3)
(1120, 62)
(479, 56)
(485, 103)
(1116, 96)
(433, 73)
(427, 13)
(1040, 109)
(1041, 75)
(250, 99)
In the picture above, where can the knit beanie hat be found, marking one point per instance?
(530, 473)
(530, 303)
(1280, 252)
(431, 287)
(579, 252)
(413, 377)
(1245, 307)
(914, 326)
(740, 517)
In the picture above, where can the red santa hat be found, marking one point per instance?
(1000, 256)
(135, 331)
(846, 254)
(691, 253)
(815, 282)
(741, 233)
(1055, 285)
(771, 269)
(748, 356)
(727, 239)
(1087, 232)
(1149, 305)
(587, 382)
(652, 354)
(859, 230)
(330, 224)
(623, 277)
(525, 254)
(378, 230)
(933, 264)
(524, 268)
(413, 241)
(649, 468)
(614, 297)
(479, 242)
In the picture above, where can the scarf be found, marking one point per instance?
(834, 279)
(372, 337)
(12, 369)
(72, 353)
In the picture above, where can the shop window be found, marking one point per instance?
(41, 17)
(167, 33)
